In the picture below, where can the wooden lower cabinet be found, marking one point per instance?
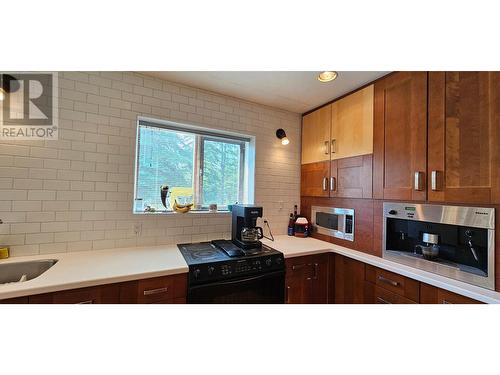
(378, 295)
(432, 295)
(165, 289)
(18, 300)
(307, 279)
(349, 280)
(396, 285)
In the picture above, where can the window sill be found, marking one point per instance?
(189, 213)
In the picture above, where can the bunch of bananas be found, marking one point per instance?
(182, 208)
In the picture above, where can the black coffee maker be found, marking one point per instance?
(245, 232)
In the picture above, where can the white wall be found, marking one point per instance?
(76, 193)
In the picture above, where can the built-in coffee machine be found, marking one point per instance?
(453, 241)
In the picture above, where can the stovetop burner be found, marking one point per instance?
(221, 259)
(202, 252)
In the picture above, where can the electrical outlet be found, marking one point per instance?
(280, 205)
(138, 229)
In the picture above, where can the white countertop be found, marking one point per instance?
(294, 246)
(83, 269)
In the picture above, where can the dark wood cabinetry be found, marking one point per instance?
(351, 177)
(314, 179)
(464, 137)
(400, 136)
(307, 279)
(432, 295)
(349, 280)
(388, 287)
(165, 289)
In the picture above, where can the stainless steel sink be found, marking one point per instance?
(24, 271)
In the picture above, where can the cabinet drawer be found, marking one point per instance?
(393, 282)
(432, 295)
(98, 294)
(164, 289)
(78, 296)
(156, 290)
(383, 296)
(17, 300)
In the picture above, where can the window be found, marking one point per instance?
(199, 166)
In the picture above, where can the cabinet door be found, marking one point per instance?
(464, 137)
(307, 279)
(316, 135)
(400, 136)
(314, 179)
(351, 177)
(349, 280)
(352, 125)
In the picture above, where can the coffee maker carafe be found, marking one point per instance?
(244, 232)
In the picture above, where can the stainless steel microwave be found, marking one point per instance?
(333, 221)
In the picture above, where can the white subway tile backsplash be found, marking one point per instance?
(75, 194)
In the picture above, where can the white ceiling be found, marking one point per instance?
(293, 91)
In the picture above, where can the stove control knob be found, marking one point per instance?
(278, 260)
(211, 270)
(269, 262)
(196, 273)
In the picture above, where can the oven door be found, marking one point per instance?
(267, 288)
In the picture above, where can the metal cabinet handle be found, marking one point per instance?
(288, 294)
(155, 291)
(435, 181)
(90, 301)
(325, 184)
(297, 266)
(419, 181)
(445, 302)
(388, 281)
(316, 267)
(381, 300)
(333, 184)
(327, 144)
(334, 146)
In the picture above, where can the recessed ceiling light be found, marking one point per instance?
(327, 76)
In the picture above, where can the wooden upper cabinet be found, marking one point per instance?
(316, 135)
(400, 136)
(314, 179)
(352, 125)
(351, 177)
(464, 137)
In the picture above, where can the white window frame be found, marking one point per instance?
(247, 169)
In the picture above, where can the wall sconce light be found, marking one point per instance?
(280, 133)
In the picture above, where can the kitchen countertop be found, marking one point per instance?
(293, 247)
(84, 269)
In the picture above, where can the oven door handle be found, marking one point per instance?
(239, 281)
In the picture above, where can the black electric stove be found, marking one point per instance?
(221, 272)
